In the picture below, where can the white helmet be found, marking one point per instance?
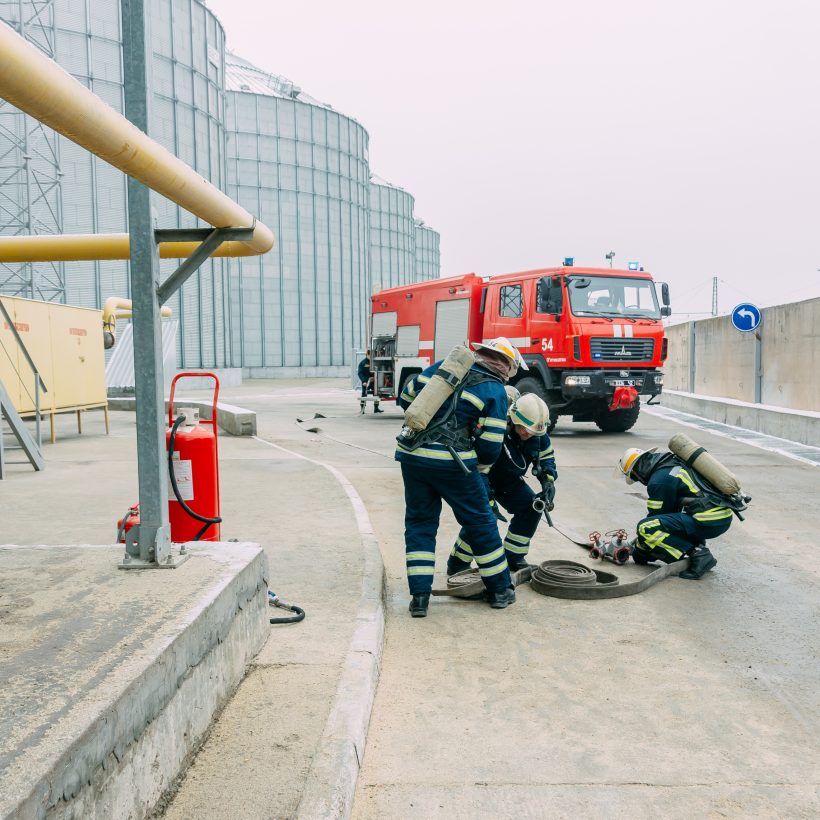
(531, 412)
(512, 394)
(627, 462)
(506, 348)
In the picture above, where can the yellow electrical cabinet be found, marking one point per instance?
(66, 345)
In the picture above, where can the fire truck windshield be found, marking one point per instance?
(613, 296)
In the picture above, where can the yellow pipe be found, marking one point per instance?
(88, 247)
(116, 307)
(45, 91)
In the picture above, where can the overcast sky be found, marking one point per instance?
(683, 136)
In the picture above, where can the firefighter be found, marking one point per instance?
(474, 417)
(680, 517)
(526, 444)
(367, 379)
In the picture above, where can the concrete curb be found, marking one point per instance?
(232, 419)
(130, 737)
(802, 426)
(331, 780)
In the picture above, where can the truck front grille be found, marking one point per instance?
(607, 349)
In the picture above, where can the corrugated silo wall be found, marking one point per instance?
(188, 119)
(428, 257)
(188, 110)
(392, 237)
(300, 309)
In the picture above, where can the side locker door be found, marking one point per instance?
(452, 326)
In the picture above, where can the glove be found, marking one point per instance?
(547, 490)
(491, 499)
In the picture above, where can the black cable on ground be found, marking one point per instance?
(208, 521)
(274, 600)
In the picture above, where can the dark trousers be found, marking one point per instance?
(424, 489)
(670, 536)
(516, 498)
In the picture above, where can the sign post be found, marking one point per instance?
(746, 318)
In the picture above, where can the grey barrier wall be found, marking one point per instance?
(711, 358)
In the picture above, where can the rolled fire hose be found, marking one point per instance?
(564, 579)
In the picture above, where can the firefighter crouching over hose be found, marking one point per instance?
(684, 508)
(526, 444)
(431, 473)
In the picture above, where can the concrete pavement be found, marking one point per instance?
(694, 699)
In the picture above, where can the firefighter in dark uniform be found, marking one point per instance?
(477, 411)
(367, 379)
(526, 444)
(680, 518)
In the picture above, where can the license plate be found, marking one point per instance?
(623, 383)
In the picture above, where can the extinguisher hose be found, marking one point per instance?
(275, 600)
(207, 521)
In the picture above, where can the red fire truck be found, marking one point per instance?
(592, 337)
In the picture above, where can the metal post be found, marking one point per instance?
(692, 341)
(151, 544)
(759, 364)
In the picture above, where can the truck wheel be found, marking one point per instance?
(531, 385)
(618, 421)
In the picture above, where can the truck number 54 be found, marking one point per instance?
(546, 344)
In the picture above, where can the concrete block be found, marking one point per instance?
(802, 426)
(110, 679)
(237, 421)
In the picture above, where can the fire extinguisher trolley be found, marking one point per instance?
(193, 461)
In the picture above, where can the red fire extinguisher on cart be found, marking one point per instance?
(193, 473)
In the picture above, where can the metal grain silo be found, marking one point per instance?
(59, 187)
(392, 235)
(428, 257)
(303, 168)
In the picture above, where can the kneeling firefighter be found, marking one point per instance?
(440, 450)
(685, 508)
(526, 444)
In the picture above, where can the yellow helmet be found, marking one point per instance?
(507, 349)
(531, 412)
(627, 462)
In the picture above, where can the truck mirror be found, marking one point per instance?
(665, 293)
(580, 282)
(666, 310)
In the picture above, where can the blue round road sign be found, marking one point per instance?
(746, 317)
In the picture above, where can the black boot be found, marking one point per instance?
(517, 563)
(419, 604)
(500, 599)
(700, 562)
(377, 410)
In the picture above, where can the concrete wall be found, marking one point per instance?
(724, 358)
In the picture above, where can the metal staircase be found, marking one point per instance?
(30, 445)
(18, 428)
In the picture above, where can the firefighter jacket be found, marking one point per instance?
(364, 371)
(517, 456)
(480, 415)
(671, 489)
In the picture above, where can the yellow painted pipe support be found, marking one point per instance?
(88, 247)
(41, 88)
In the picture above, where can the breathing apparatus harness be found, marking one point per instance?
(712, 496)
(447, 430)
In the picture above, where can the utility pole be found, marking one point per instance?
(610, 256)
(714, 296)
